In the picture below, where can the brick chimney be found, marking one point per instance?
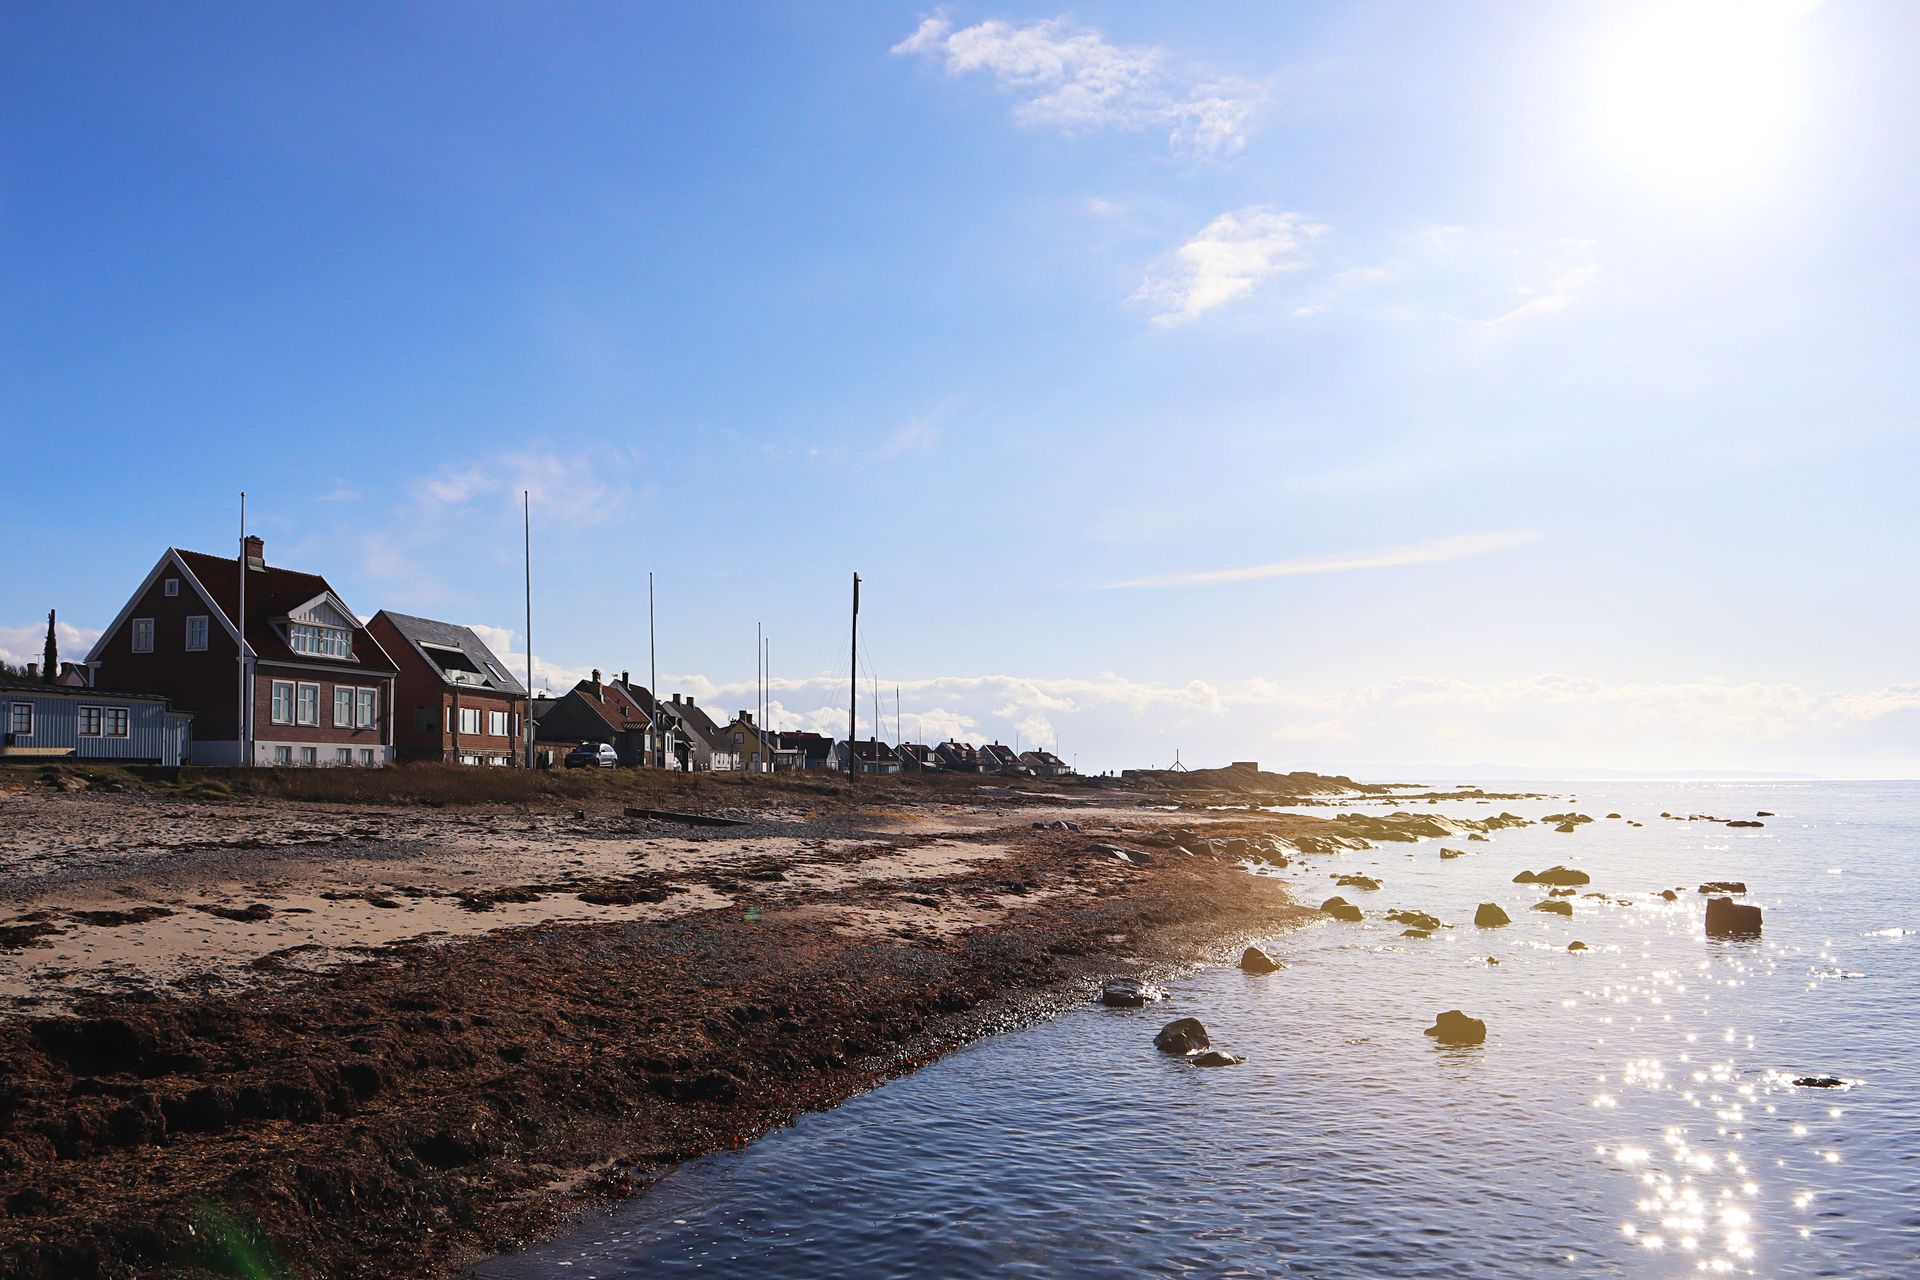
(624, 678)
(746, 716)
(33, 673)
(256, 552)
(598, 696)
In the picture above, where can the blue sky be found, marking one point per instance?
(1448, 383)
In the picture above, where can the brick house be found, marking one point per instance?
(597, 710)
(454, 700)
(318, 688)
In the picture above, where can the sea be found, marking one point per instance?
(1633, 1111)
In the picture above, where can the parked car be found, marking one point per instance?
(589, 755)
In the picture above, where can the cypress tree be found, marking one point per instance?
(51, 665)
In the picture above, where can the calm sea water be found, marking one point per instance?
(1632, 1113)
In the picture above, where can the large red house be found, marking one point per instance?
(318, 688)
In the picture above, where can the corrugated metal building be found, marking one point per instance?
(68, 722)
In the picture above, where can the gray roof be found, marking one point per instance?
(488, 672)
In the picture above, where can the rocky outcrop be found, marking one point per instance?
(1356, 882)
(1562, 876)
(1415, 920)
(1729, 919)
(1745, 822)
(1182, 1035)
(1340, 909)
(1490, 915)
(1456, 1028)
(1724, 886)
(1554, 906)
(1254, 960)
(1453, 853)
(1129, 993)
(1525, 877)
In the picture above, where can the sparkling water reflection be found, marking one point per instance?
(1633, 1112)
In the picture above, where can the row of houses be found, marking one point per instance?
(226, 661)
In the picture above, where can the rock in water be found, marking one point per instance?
(1129, 993)
(1745, 822)
(1415, 920)
(1724, 886)
(1491, 916)
(1556, 906)
(1669, 895)
(1562, 876)
(1340, 909)
(1763, 813)
(1729, 919)
(1525, 877)
(1576, 946)
(1453, 853)
(1182, 1035)
(1215, 1058)
(1820, 1082)
(1455, 1027)
(1356, 882)
(1254, 960)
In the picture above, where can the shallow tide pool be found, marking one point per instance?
(1631, 1114)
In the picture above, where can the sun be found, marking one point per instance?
(1699, 95)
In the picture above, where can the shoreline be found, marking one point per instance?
(448, 1098)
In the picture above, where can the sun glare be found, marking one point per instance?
(1699, 95)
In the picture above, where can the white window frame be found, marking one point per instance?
(473, 712)
(96, 715)
(200, 618)
(309, 757)
(340, 691)
(366, 756)
(343, 757)
(283, 756)
(366, 704)
(318, 640)
(173, 587)
(142, 628)
(273, 712)
(123, 716)
(498, 724)
(299, 704)
(13, 718)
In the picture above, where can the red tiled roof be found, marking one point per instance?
(273, 592)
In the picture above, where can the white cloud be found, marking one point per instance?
(1434, 551)
(1226, 260)
(1073, 78)
(510, 647)
(1557, 293)
(588, 486)
(24, 644)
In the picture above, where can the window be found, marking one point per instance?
(21, 722)
(342, 707)
(307, 707)
(497, 723)
(283, 755)
(143, 635)
(283, 702)
(196, 634)
(366, 755)
(369, 704)
(91, 719)
(469, 719)
(173, 586)
(325, 642)
(117, 722)
(310, 756)
(343, 755)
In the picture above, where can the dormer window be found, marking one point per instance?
(321, 642)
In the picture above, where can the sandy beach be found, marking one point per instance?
(387, 1036)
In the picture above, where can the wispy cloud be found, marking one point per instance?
(1228, 258)
(1556, 293)
(590, 487)
(1438, 550)
(1071, 77)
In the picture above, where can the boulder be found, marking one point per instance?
(1613, 815)
(1477, 836)
(1182, 1035)
(1340, 909)
(1745, 822)
(1820, 1082)
(1215, 1058)
(1669, 895)
(1557, 906)
(1560, 893)
(1490, 915)
(1356, 882)
(1129, 993)
(1763, 813)
(1729, 919)
(1562, 876)
(1415, 920)
(1254, 960)
(1416, 933)
(1576, 945)
(1455, 1027)
(1724, 886)
(1526, 877)
(1453, 853)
